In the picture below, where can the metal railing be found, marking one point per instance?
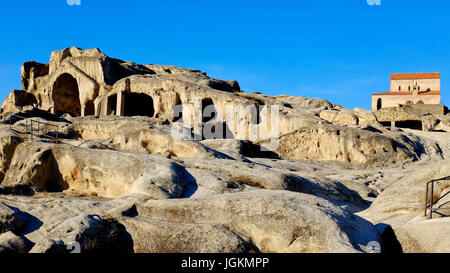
(36, 128)
(430, 202)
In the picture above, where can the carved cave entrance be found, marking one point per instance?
(138, 104)
(217, 128)
(66, 96)
(411, 124)
(112, 105)
(89, 110)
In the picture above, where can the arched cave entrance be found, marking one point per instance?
(66, 96)
(218, 128)
(379, 104)
(138, 104)
(209, 112)
(177, 110)
(89, 110)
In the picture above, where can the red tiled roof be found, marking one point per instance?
(415, 76)
(408, 93)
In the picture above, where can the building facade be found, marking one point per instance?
(409, 89)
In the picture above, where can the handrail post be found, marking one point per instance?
(426, 199)
(431, 200)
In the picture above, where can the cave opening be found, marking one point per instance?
(89, 109)
(138, 104)
(209, 111)
(112, 105)
(66, 96)
(410, 124)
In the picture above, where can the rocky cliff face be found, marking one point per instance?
(113, 169)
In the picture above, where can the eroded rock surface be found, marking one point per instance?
(111, 172)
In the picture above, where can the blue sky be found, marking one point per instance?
(341, 50)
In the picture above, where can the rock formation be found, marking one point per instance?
(114, 155)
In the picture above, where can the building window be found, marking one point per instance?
(379, 104)
(409, 88)
(418, 88)
(399, 88)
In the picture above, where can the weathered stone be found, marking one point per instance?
(96, 172)
(329, 115)
(152, 236)
(401, 205)
(327, 142)
(17, 101)
(49, 246)
(93, 234)
(274, 221)
(8, 143)
(346, 118)
(10, 220)
(444, 123)
(13, 244)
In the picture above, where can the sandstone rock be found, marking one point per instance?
(401, 206)
(397, 114)
(328, 142)
(121, 178)
(13, 244)
(8, 143)
(444, 123)
(96, 172)
(152, 236)
(274, 221)
(422, 236)
(329, 115)
(49, 246)
(17, 101)
(346, 118)
(365, 117)
(140, 137)
(93, 233)
(239, 176)
(304, 102)
(429, 122)
(10, 220)
(32, 73)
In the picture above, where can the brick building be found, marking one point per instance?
(409, 89)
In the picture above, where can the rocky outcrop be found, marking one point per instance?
(401, 206)
(350, 145)
(13, 244)
(153, 236)
(17, 101)
(274, 221)
(104, 173)
(126, 174)
(91, 232)
(140, 136)
(8, 143)
(10, 220)
(349, 118)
